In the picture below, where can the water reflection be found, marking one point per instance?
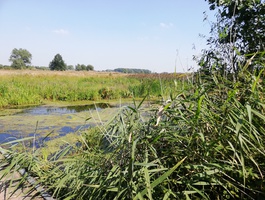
(6, 137)
(39, 140)
(69, 126)
(48, 110)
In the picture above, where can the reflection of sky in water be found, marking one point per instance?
(59, 131)
(48, 110)
(67, 129)
(11, 135)
(6, 137)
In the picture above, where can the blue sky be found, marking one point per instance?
(108, 34)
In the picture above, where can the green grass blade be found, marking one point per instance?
(161, 178)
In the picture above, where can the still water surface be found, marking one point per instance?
(40, 121)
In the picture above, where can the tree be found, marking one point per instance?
(57, 63)
(20, 58)
(90, 67)
(83, 67)
(238, 33)
(134, 71)
(80, 67)
(70, 67)
(242, 22)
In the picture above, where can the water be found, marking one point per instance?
(48, 110)
(58, 121)
(6, 137)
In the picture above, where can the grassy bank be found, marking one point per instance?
(35, 87)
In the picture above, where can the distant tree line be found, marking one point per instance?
(83, 67)
(21, 59)
(132, 71)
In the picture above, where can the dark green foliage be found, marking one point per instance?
(90, 67)
(70, 67)
(106, 93)
(242, 22)
(41, 68)
(20, 58)
(5, 67)
(132, 71)
(237, 34)
(83, 67)
(57, 63)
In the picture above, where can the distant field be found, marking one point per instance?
(58, 73)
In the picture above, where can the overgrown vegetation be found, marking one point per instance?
(23, 89)
(207, 142)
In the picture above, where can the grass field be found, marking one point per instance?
(25, 87)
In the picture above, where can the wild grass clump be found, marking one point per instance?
(159, 85)
(207, 142)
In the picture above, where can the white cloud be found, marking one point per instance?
(166, 25)
(61, 32)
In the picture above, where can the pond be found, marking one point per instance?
(48, 110)
(49, 122)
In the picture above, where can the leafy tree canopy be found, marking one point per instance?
(20, 58)
(241, 22)
(82, 67)
(129, 70)
(70, 67)
(57, 63)
(238, 33)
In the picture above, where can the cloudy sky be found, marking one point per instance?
(108, 34)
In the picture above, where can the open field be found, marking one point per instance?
(58, 73)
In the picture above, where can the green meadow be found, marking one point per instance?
(34, 88)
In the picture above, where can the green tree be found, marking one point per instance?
(134, 71)
(20, 58)
(57, 63)
(237, 34)
(82, 67)
(70, 67)
(90, 67)
(241, 22)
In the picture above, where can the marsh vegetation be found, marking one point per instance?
(209, 144)
(206, 141)
(40, 87)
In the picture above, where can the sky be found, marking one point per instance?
(158, 35)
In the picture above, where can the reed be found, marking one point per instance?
(36, 88)
(209, 144)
